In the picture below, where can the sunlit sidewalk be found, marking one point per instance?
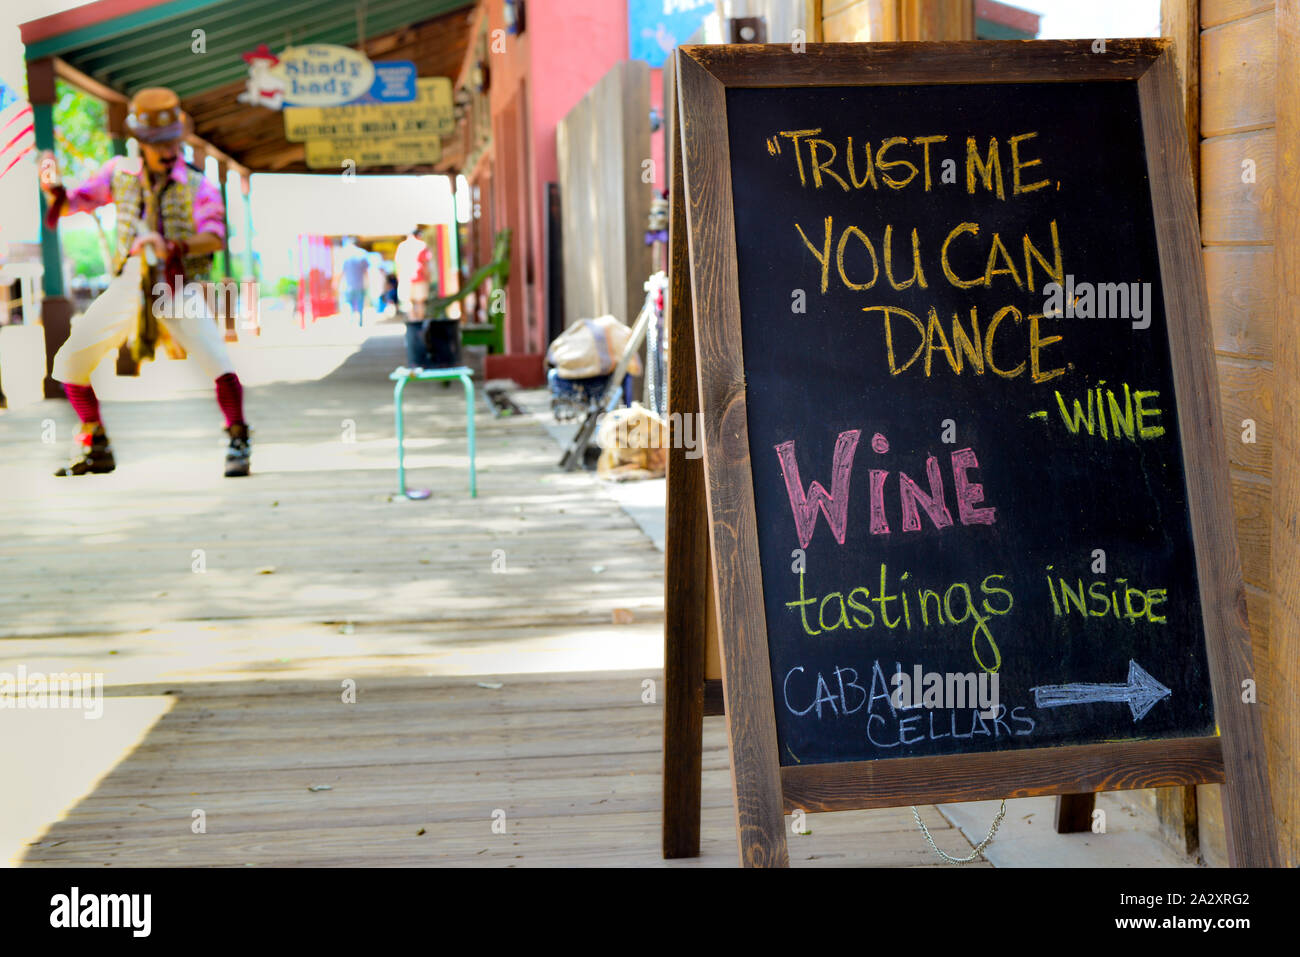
(301, 668)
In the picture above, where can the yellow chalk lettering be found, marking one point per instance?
(918, 274)
(890, 164)
(819, 168)
(1036, 343)
(990, 168)
(824, 256)
(988, 341)
(839, 258)
(957, 230)
(1017, 166)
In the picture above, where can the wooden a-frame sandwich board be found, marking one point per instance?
(712, 589)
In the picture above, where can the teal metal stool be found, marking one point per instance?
(402, 376)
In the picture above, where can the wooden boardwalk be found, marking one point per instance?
(245, 611)
(547, 770)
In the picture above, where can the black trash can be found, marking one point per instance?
(416, 355)
(442, 343)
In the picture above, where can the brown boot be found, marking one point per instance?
(91, 453)
(240, 451)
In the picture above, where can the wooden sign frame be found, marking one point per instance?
(712, 530)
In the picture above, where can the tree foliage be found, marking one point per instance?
(81, 140)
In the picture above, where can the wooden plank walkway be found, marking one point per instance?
(419, 771)
(249, 604)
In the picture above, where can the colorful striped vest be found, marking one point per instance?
(133, 201)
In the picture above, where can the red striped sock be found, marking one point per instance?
(83, 401)
(230, 396)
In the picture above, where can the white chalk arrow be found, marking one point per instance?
(1141, 692)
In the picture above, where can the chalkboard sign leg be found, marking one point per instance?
(1074, 812)
(746, 669)
(686, 555)
(1176, 809)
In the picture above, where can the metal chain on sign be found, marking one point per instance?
(979, 848)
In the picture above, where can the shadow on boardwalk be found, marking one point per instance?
(231, 618)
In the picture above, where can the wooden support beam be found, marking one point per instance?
(115, 120)
(41, 95)
(40, 82)
(687, 548)
(1181, 20)
(207, 149)
(936, 20)
(1074, 813)
(70, 74)
(1176, 809)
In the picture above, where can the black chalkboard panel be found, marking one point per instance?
(1058, 554)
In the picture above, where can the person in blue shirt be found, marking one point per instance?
(353, 282)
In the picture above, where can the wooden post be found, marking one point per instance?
(936, 20)
(1181, 21)
(1283, 737)
(115, 121)
(686, 551)
(230, 321)
(1074, 812)
(56, 308)
(746, 670)
(41, 94)
(245, 192)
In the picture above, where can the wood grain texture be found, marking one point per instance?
(1239, 282)
(987, 61)
(509, 748)
(1246, 395)
(1249, 814)
(686, 543)
(1212, 845)
(1257, 607)
(1180, 21)
(831, 7)
(600, 145)
(1251, 504)
(636, 198)
(1003, 774)
(859, 21)
(936, 20)
(733, 539)
(1238, 74)
(1176, 810)
(1214, 12)
(1232, 210)
(704, 73)
(1284, 636)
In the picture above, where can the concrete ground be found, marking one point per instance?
(219, 612)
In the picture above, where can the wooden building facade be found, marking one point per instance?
(1241, 75)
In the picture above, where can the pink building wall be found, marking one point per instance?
(565, 49)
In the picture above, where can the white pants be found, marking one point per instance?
(104, 326)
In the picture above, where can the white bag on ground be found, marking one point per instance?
(591, 347)
(634, 444)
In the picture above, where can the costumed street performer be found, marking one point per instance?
(170, 220)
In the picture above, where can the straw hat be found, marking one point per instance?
(155, 116)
